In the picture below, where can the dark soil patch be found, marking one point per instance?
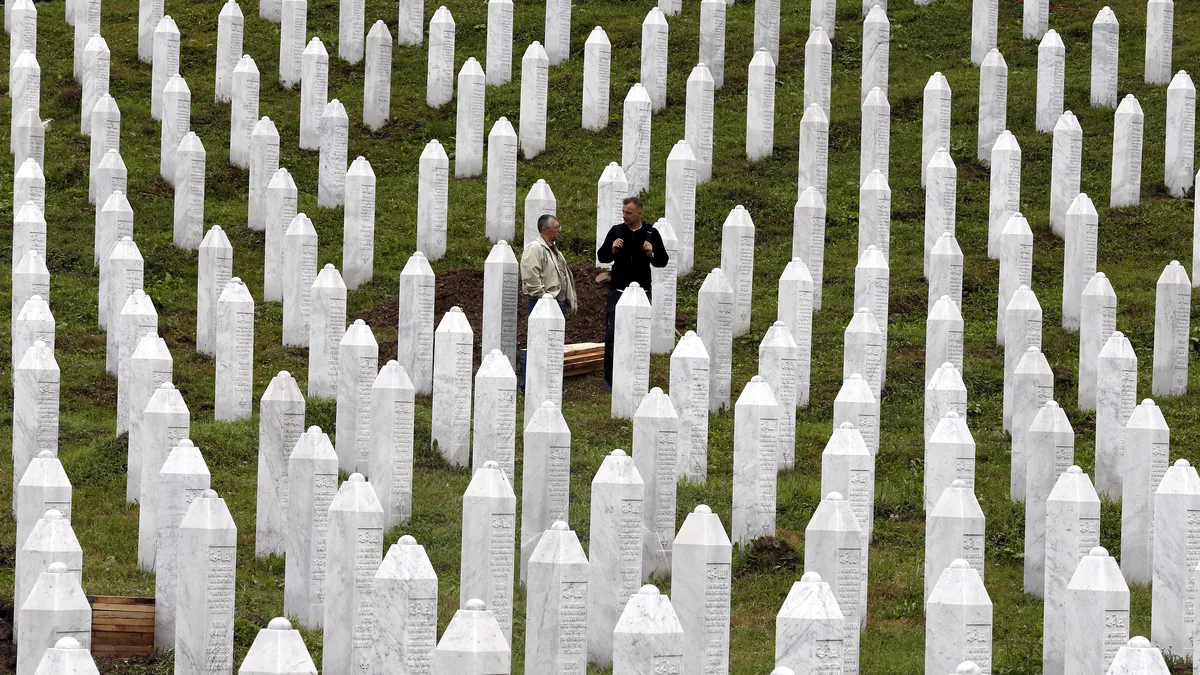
(464, 288)
(768, 555)
(8, 651)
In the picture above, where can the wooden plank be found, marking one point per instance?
(121, 624)
(121, 600)
(120, 652)
(114, 638)
(109, 614)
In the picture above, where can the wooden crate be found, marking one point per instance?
(582, 358)
(121, 627)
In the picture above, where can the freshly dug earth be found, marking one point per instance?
(464, 288)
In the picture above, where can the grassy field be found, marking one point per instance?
(1135, 244)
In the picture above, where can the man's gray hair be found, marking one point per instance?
(545, 220)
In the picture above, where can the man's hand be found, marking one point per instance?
(617, 245)
(648, 248)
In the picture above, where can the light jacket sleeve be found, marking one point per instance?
(533, 271)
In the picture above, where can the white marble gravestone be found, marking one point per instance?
(663, 281)
(183, 478)
(314, 92)
(1172, 326)
(655, 452)
(1116, 397)
(714, 325)
(702, 576)
(877, 34)
(993, 98)
(1072, 530)
(1051, 453)
(414, 343)
(25, 76)
(230, 36)
(848, 468)
(614, 550)
(737, 261)
(29, 231)
(473, 643)
(1032, 383)
(351, 27)
(501, 181)
(755, 446)
(1146, 453)
(280, 423)
(631, 351)
(35, 322)
(495, 428)
(500, 288)
(698, 114)
(875, 139)
(795, 308)
(874, 215)
(137, 318)
(856, 404)
(32, 279)
(558, 31)
(235, 352)
(278, 649)
(280, 198)
(453, 350)
(264, 162)
(1016, 266)
(489, 531)
(106, 135)
(433, 190)
(29, 139)
(293, 35)
(1050, 74)
(778, 360)
(648, 635)
(165, 62)
(935, 122)
(809, 629)
(1081, 232)
(1023, 329)
(1160, 33)
(270, 10)
(945, 392)
(358, 238)
(116, 222)
(556, 604)
(207, 561)
(1177, 522)
(411, 26)
(54, 609)
(468, 139)
(109, 175)
(1036, 17)
(833, 546)
(1005, 196)
(945, 271)
(164, 424)
(546, 476)
(355, 551)
(760, 105)
(635, 139)
(544, 356)
(244, 111)
(150, 366)
(299, 272)
(190, 163)
(958, 620)
(539, 201)
(808, 232)
(335, 131)
(1126, 187)
(312, 483)
(67, 657)
(358, 365)
(654, 57)
(391, 443)
(941, 191)
(863, 349)
(535, 72)
(176, 123)
(680, 211)
(611, 190)
(949, 457)
(439, 81)
(46, 538)
(1096, 615)
(499, 42)
(20, 22)
(377, 79)
(1066, 167)
(689, 396)
(954, 529)
(1105, 54)
(597, 63)
(405, 615)
(215, 270)
(29, 185)
(97, 62)
(871, 279)
(1181, 135)
(121, 273)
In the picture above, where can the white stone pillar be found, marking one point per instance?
(452, 370)
(635, 139)
(244, 111)
(984, 24)
(833, 545)
(1160, 34)
(56, 609)
(778, 361)
(299, 252)
(1116, 397)
(264, 162)
(1050, 74)
(539, 201)
(654, 58)
(1005, 196)
(935, 122)
(183, 478)
(808, 236)
(689, 396)
(235, 352)
(681, 208)
(546, 477)
(335, 133)
(1066, 166)
(631, 351)
(755, 444)
(698, 116)
(97, 62)
(314, 92)
(1146, 453)
(993, 99)
(439, 81)
(293, 36)
(795, 307)
(1105, 54)
(848, 468)
(414, 343)
(544, 356)
(351, 28)
(556, 603)
(214, 271)
(433, 190)
(1079, 258)
(1096, 615)
(1072, 530)
(809, 629)
(1181, 135)
(230, 37)
(611, 190)
(941, 194)
(473, 643)
(468, 139)
(280, 423)
(701, 584)
(501, 182)
(1172, 328)
(391, 443)
(358, 365)
(958, 620)
(406, 604)
(1126, 187)
(954, 530)
(495, 428)
(857, 405)
(1051, 453)
(597, 79)
(191, 160)
(875, 135)
(876, 48)
(655, 452)
(355, 552)
(614, 550)
(558, 31)
(1016, 265)
(499, 42)
(489, 531)
(737, 260)
(950, 458)
(410, 28)
(207, 550)
(874, 215)
(1023, 329)
(312, 484)
(714, 325)
(106, 135)
(943, 336)
(1176, 520)
(1032, 387)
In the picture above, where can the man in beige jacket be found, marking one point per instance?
(544, 269)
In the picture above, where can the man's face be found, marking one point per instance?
(631, 213)
(551, 231)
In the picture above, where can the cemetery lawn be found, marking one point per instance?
(1135, 245)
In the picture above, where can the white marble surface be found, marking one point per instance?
(635, 139)
(876, 50)
(1116, 397)
(235, 352)
(766, 28)
(714, 325)
(680, 196)
(689, 396)
(808, 234)
(1050, 73)
(335, 132)
(190, 163)
(755, 446)
(1175, 504)
(468, 140)
(243, 111)
(207, 559)
(631, 351)
(1051, 453)
(871, 280)
(98, 59)
(558, 31)
(176, 123)
(1016, 266)
(410, 28)
(712, 50)
(351, 27)
(701, 576)
(813, 168)
(264, 162)
(1032, 383)
(654, 58)
(314, 92)
(1172, 326)
(293, 36)
(29, 231)
(55, 608)
(611, 190)
(406, 594)
(941, 190)
(499, 42)
(488, 561)
(29, 138)
(105, 135)
(546, 476)
(544, 356)
(856, 404)
(984, 24)
(1105, 55)
(280, 423)
(500, 290)
(164, 424)
(954, 529)
(778, 363)
(863, 349)
(35, 322)
(29, 185)
(874, 216)
(833, 545)
(1145, 455)
(664, 281)
(946, 272)
(230, 37)
(150, 366)
(1081, 232)
(1160, 34)
(958, 620)
(279, 200)
(737, 261)
(391, 443)
(312, 483)
(935, 122)
(358, 365)
(1022, 329)
(1036, 18)
(215, 268)
(556, 604)
(1180, 144)
(46, 537)
(614, 550)
(1096, 616)
(184, 476)
(1072, 530)
(949, 458)
(597, 80)
(809, 629)
(473, 643)
(655, 452)
(539, 201)
(1005, 196)
(795, 309)
(326, 325)
(648, 635)
(414, 343)
(299, 270)
(433, 194)
(848, 468)
(875, 137)
(110, 176)
(943, 336)
(760, 104)
(453, 352)
(165, 62)
(67, 657)
(495, 409)
(121, 273)
(1126, 189)
(993, 98)
(355, 552)
(25, 76)
(137, 319)
(818, 66)
(823, 15)
(278, 649)
(1066, 167)
(439, 81)
(944, 393)
(501, 182)
(116, 223)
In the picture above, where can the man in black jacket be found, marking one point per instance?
(632, 247)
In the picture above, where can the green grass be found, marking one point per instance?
(1135, 244)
